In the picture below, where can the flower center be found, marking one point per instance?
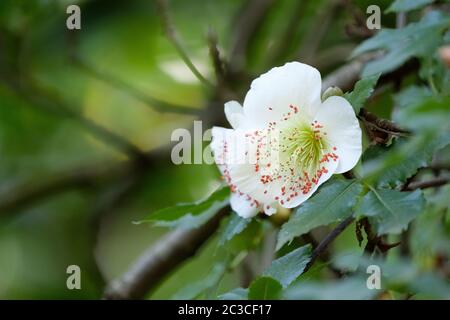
(303, 146)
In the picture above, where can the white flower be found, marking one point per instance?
(296, 141)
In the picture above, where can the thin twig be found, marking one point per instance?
(323, 245)
(428, 184)
(325, 255)
(173, 37)
(373, 126)
(383, 125)
(217, 61)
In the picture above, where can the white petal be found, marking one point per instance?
(271, 94)
(337, 117)
(297, 200)
(242, 206)
(233, 154)
(234, 114)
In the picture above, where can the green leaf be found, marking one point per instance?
(430, 114)
(411, 95)
(352, 288)
(407, 5)
(195, 289)
(264, 288)
(235, 294)
(333, 202)
(190, 215)
(248, 239)
(394, 165)
(390, 210)
(427, 235)
(235, 225)
(399, 274)
(287, 268)
(362, 91)
(431, 286)
(415, 40)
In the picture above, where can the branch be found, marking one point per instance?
(217, 61)
(325, 254)
(380, 124)
(373, 240)
(323, 245)
(173, 37)
(428, 184)
(161, 259)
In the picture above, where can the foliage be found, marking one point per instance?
(191, 215)
(334, 202)
(390, 211)
(401, 44)
(362, 91)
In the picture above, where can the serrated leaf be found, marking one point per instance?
(407, 5)
(288, 267)
(390, 211)
(362, 91)
(235, 294)
(393, 166)
(235, 225)
(264, 288)
(415, 40)
(190, 215)
(333, 202)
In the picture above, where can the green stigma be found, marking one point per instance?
(304, 146)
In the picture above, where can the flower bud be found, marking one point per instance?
(332, 91)
(444, 53)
